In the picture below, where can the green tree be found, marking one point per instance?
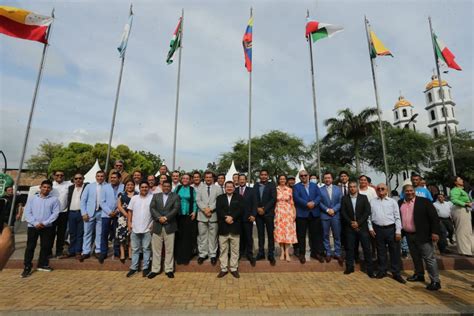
(39, 163)
(406, 150)
(276, 151)
(463, 150)
(353, 129)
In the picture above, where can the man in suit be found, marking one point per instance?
(344, 186)
(109, 212)
(307, 196)
(207, 219)
(248, 218)
(266, 200)
(75, 222)
(229, 208)
(164, 208)
(355, 211)
(420, 224)
(92, 202)
(330, 216)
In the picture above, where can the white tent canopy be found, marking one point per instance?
(90, 175)
(299, 170)
(231, 172)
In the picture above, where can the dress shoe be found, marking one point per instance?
(170, 275)
(349, 271)
(101, 259)
(416, 278)
(272, 261)
(371, 275)
(235, 274)
(201, 260)
(381, 275)
(434, 286)
(399, 279)
(320, 258)
(152, 275)
(122, 260)
(302, 259)
(145, 272)
(213, 261)
(84, 257)
(131, 272)
(252, 261)
(222, 274)
(296, 252)
(260, 257)
(328, 258)
(339, 260)
(404, 254)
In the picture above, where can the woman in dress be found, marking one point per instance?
(461, 214)
(122, 233)
(185, 237)
(285, 215)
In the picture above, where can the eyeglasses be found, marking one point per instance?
(303, 175)
(118, 165)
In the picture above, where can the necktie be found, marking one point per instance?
(241, 191)
(345, 189)
(208, 190)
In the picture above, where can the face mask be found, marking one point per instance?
(313, 181)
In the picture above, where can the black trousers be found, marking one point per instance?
(313, 226)
(363, 236)
(59, 232)
(185, 239)
(246, 238)
(385, 238)
(268, 223)
(46, 236)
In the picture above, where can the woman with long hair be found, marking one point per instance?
(285, 215)
(122, 234)
(461, 214)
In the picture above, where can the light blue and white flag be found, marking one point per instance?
(126, 33)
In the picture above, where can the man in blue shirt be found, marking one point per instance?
(420, 190)
(40, 212)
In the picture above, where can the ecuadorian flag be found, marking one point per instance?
(247, 43)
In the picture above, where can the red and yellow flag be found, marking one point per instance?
(24, 24)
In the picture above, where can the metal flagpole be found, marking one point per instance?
(441, 93)
(177, 91)
(30, 119)
(250, 114)
(117, 94)
(377, 101)
(318, 153)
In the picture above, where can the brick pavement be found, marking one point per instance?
(254, 293)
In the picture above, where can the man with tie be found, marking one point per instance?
(307, 197)
(164, 208)
(207, 219)
(92, 201)
(220, 182)
(248, 218)
(386, 227)
(330, 216)
(266, 200)
(344, 186)
(355, 211)
(229, 209)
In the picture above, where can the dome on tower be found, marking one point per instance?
(435, 83)
(402, 102)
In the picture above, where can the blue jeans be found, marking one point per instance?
(140, 242)
(76, 232)
(93, 225)
(404, 244)
(334, 224)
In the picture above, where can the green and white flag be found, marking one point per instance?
(175, 41)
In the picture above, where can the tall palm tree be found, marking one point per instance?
(353, 128)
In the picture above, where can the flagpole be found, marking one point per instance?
(30, 119)
(117, 94)
(377, 101)
(318, 153)
(177, 90)
(448, 130)
(250, 115)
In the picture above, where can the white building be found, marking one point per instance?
(403, 114)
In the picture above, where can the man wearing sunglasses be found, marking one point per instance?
(60, 225)
(119, 167)
(385, 226)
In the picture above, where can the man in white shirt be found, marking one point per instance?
(139, 224)
(60, 225)
(443, 208)
(175, 177)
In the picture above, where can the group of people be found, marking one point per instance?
(214, 219)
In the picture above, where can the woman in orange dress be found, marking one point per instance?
(285, 215)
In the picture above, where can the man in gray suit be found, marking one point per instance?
(207, 219)
(164, 208)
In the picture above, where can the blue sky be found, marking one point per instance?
(77, 92)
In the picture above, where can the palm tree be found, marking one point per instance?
(352, 128)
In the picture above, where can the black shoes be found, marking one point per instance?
(222, 274)
(328, 259)
(131, 272)
(399, 279)
(434, 286)
(201, 260)
(302, 259)
(349, 270)
(26, 272)
(170, 275)
(371, 275)
(84, 257)
(252, 261)
(101, 259)
(213, 261)
(381, 275)
(152, 275)
(416, 278)
(272, 260)
(145, 272)
(235, 274)
(260, 257)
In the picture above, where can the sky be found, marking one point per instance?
(76, 96)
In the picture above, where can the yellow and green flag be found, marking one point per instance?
(377, 47)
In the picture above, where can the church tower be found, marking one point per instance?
(403, 114)
(434, 107)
